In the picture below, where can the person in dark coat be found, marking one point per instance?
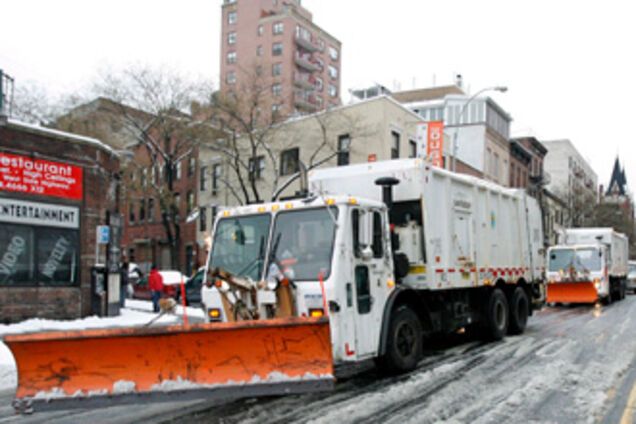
(123, 279)
(155, 284)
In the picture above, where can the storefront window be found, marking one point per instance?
(38, 256)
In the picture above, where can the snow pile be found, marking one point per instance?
(143, 305)
(128, 318)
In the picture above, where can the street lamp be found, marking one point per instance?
(501, 89)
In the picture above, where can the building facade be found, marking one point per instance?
(55, 189)
(572, 179)
(478, 127)
(277, 43)
(376, 129)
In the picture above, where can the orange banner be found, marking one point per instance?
(435, 143)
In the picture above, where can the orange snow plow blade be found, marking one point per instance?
(571, 293)
(223, 360)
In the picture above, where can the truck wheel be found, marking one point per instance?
(519, 310)
(404, 343)
(496, 316)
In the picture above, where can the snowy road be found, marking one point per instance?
(574, 364)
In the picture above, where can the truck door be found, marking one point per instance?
(370, 275)
(462, 243)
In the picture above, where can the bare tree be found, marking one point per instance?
(154, 104)
(581, 204)
(32, 103)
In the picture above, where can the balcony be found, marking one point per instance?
(305, 61)
(306, 43)
(303, 100)
(304, 81)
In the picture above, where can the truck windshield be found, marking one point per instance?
(239, 245)
(303, 242)
(579, 259)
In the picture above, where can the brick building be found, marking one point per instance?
(55, 188)
(278, 42)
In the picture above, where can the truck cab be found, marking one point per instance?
(336, 252)
(577, 273)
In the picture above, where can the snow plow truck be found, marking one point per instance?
(588, 265)
(376, 257)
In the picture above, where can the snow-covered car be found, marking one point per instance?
(631, 277)
(171, 282)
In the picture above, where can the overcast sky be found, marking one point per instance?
(569, 65)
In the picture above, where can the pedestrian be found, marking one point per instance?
(123, 280)
(155, 283)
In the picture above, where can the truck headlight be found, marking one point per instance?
(597, 283)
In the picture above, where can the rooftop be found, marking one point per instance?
(424, 94)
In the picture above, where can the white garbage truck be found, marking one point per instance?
(391, 251)
(588, 265)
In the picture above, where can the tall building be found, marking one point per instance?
(572, 179)
(479, 128)
(277, 42)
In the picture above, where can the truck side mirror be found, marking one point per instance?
(364, 230)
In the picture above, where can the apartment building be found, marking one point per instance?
(572, 179)
(479, 128)
(276, 43)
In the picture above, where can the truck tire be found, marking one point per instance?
(519, 311)
(496, 316)
(404, 342)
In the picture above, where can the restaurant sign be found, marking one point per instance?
(34, 176)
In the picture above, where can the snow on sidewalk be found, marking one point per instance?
(136, 313)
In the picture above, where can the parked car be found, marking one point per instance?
(631, 277)
(171, 281)
(193, 288)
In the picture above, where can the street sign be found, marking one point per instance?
(103, 234)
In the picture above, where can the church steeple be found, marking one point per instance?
(618, 181)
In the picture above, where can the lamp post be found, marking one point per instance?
(501, 89)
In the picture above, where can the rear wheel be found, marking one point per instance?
(404, 343)
(519, 311)
(496, 316)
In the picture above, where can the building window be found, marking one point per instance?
(38, 256)
(344, 143)
(495, 170)
(203, 178)
(320, 63)
(256, 167)
(131, 212)
(321, 44)
(319, 84)
(230, 78)
(176, 206)
(333, 91)
(289, 161)
(333, 72)
(277, 89)
(395, 145)
(276, 108)
(412, 149)
(277, 28)
(231, 18)
(277, 49)
(151, 210)
(259, 31)
(190, 201)
(177, 171)
(216, 176)
(231, 57)
(259, 50)
(192, 166)
(333, 53)
(277, 69)
(142, 210)
(231, 38)
(203, 220)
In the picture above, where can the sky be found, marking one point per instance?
(568, 65)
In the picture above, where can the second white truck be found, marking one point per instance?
(588, 265)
